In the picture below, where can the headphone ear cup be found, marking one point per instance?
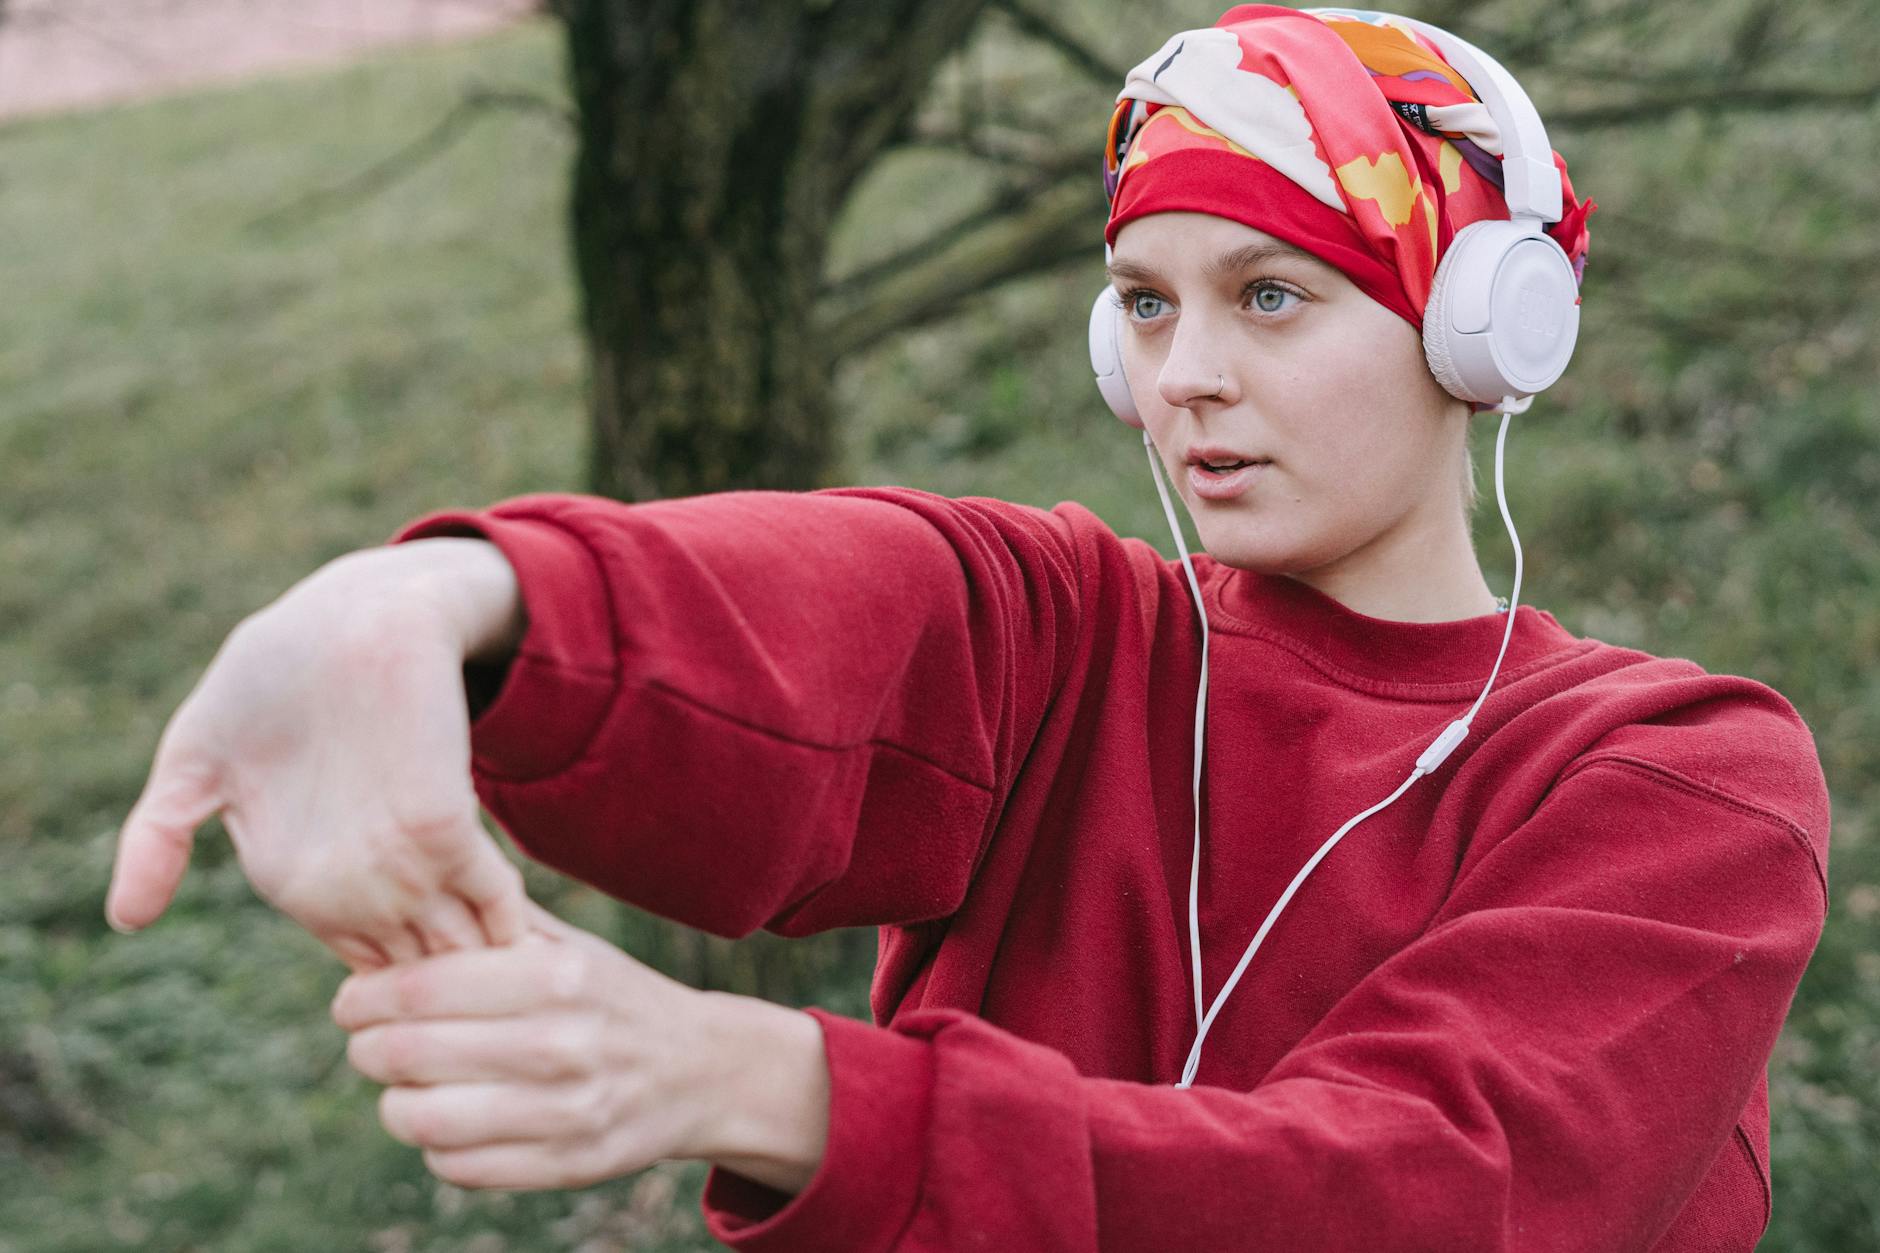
(1436, 322)
(1503, 313)
(1106, 357)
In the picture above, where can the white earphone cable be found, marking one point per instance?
(1201, 725)
(1431, 757)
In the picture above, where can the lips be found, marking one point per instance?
(1214, 485)
(1216, 473)
(1213, 457)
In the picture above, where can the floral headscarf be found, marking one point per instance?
(1348, 136)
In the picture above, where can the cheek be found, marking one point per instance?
(1353, 464)
(1375, 357)
(1142, 366)
(1357, 402)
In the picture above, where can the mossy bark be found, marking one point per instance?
(719, 139)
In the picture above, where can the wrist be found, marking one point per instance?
(465, 582)
(769, 1107)
(478, 590)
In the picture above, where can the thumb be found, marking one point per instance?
(492, 887)
(154, 843)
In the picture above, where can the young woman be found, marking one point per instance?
(1526, 1004)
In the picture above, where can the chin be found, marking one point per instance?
(1246, 544)
(1258, 553)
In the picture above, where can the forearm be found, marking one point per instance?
(845, 658)
(771, 1119)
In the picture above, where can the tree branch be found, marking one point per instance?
(873, 76)
(1666, 240)
(1003, 204)
(1013, 150)
(401, 164)
(1088, 60)
(1751, 42)
(1057, 227)
(1718, 98)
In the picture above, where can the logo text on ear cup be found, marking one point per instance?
(1538, 314)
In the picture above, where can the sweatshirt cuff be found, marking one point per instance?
(565, 673)
(865, 1188)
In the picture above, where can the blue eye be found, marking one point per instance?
(1134, 302)
(1139, 304)
(1270, 299)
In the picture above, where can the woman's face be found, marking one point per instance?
(1356, 451)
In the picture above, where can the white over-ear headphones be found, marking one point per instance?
(1503, 312)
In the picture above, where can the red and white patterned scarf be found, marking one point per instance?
(1349, 137)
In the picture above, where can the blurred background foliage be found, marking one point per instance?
(215, 375)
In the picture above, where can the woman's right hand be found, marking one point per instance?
(331, 733)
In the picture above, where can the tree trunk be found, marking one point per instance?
(718, 142)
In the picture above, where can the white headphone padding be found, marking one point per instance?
(1436, 314)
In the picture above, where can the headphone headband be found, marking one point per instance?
(1531, 181)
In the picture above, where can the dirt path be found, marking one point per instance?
(71, 54)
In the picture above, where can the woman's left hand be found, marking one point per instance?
(560, 1061)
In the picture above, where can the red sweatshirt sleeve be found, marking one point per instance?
(793, 710)
(1553, 1065)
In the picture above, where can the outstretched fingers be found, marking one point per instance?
(155, 841)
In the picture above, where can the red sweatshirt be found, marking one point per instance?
(1529, 1006)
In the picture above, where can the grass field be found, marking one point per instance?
(195, 411)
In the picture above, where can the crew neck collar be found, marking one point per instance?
(1406, 654)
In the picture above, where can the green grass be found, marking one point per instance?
(195, 411)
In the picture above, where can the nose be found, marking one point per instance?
(1196, 371)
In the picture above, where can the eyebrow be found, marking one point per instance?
(1225, 264)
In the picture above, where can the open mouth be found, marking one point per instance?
(1224, 467)
(1220, 479)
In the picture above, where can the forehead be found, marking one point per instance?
(1212, 245)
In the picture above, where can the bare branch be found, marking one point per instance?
(1024, 151)
(1667, 240)
(1540, 40)
(873, 76)
(1751, 43)
(1718, 98)
(1087, 59)
(1055, 228)
(1003, 204)
(477, 102)
(1707, 326)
